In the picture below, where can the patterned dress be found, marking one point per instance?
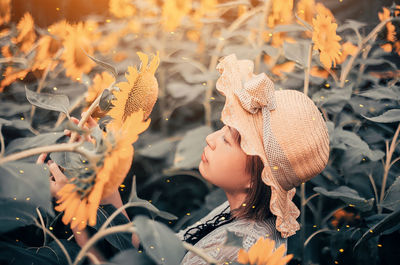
(213, 242)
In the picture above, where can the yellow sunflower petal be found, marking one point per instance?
(243, 257)
(277, 255)
(70, 211)
(80, 216)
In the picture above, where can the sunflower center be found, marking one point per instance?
(132, 105)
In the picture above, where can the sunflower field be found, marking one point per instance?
(121, 96)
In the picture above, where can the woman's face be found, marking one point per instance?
(223, 162)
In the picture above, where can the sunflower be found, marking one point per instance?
(281, 13)
(109, 41)
(173, 12)
(50, 44)
(282, 68)
(80, 208)
(306, 10)
(11, 74)
(326, 40)
(242, 9)
(323, 10)
(140, 92)
(207, 8)
(78, 41)
(122, 8)
(262, 253)
(5, 11)
(316, 71)
(348, 48)
(26, 33)
(119, 57)
(391, 30)
(100, 82)
(6, 52)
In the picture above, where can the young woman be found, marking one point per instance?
(272, 141)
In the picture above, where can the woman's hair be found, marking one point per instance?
(256, 203)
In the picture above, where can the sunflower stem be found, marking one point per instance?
(162, 89)
(88, 113)
(58, 242)
(370, 36)
(42, 224)
(214, 59)
(307, 70)
(76, 104)
(303, 219)
(40, 86)
(69, 147)
(2, 145)
(20, 60)
(389, 154)
(115, 229)
(261, 28)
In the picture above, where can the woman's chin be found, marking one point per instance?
(202, 170)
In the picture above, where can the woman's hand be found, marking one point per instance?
(57, 178)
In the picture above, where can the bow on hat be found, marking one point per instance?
(257, 92)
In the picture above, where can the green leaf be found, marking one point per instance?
(16, 254)
(159, 242)
(185, 92)
(333, 100)
(120, 241)
(23, 181)
(107, 66)
(355, 147)
(48, 101)
(388, 222)
(392, 197)
(389, 116)
(270, 50)
(375, 62)
(8, 109)
(349, 196)
(53, 249)
(4, 121)
(379, 93)
(289, 28)
(133, 198)
(297, 52)
(242, 51)
(131, 256)
(351, 24)
(189, 150)
(32, 142)
(105, 100)
(306, 25)
(15, 214)
(158, 150)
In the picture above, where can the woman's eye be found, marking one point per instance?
(225, 140)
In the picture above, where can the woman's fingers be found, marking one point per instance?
(74, 120)
(91, 122)
(59, 177)
(41, 158)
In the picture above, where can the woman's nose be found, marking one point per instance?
(210, 140)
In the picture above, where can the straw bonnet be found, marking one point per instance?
(283, 127)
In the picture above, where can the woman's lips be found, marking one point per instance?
(203, 157)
